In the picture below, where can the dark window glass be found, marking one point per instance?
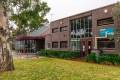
(105, 21)
(106, 43)
(74, 25)
(63, 44)
(78, 24)
(86, 34)
(72, 36)
(82, 22)
(54, 30)
(90, 21)
(54, 44)
(78, 36)
(71, 25)
(86, 22)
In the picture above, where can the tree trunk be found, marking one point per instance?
(6, 59)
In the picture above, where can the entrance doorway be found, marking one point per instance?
(85, 47)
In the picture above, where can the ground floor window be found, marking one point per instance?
(26, 46)
(75, 45)
(106, 43)
(54, 44)
(63, 44)
(49, 45)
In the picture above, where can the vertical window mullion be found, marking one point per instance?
(80, 26)
(75, 34)
(84, 25)
(88, 28)
(73, 28)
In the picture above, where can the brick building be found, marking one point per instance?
(92, 29)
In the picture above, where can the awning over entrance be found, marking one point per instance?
(19, 38)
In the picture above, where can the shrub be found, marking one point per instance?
(91, 57)
(112, 58)
(59, 54)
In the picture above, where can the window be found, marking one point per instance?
(106, 43)
(63, 44)
(49, 45)
(75, 45)
(54, 44)
(63, 29)
(105, 21)
(54, 30)
(81, 27)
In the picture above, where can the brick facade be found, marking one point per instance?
(96, 14)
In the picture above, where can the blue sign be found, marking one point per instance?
(106, 31)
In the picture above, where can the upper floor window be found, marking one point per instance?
(63, 29)
(81, 27)
(105, 21)
(54, 30)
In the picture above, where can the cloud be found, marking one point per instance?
(64, 8)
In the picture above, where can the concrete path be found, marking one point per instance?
(21, 56)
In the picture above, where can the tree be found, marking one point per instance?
(27, 19)
(116, 16)
(30, 16)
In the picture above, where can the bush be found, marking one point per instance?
(59, 54)
(91, 57)
(112, 58)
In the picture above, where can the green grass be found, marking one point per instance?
(58, 69)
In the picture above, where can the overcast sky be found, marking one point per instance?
(64, 8)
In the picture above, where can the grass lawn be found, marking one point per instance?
(58, 69)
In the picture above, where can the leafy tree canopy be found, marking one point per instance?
(116, 11)
(27, 14)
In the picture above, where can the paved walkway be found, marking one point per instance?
(21, 56)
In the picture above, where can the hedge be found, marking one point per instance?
(112, 58)
(59, 54)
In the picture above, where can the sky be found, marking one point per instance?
(65, 8)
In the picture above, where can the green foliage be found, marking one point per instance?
(32, 17)
(116, 10)
(28, 15)
(112, 58)
(91, 57)
(59, 54)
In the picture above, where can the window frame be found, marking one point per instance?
(65, 43)
(106, 48)
(55, 30)
(105, 21)
(56, 46)
(64, 28)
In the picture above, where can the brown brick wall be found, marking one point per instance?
(59, 36)
(100, 13)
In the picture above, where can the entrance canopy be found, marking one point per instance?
(19, 38)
